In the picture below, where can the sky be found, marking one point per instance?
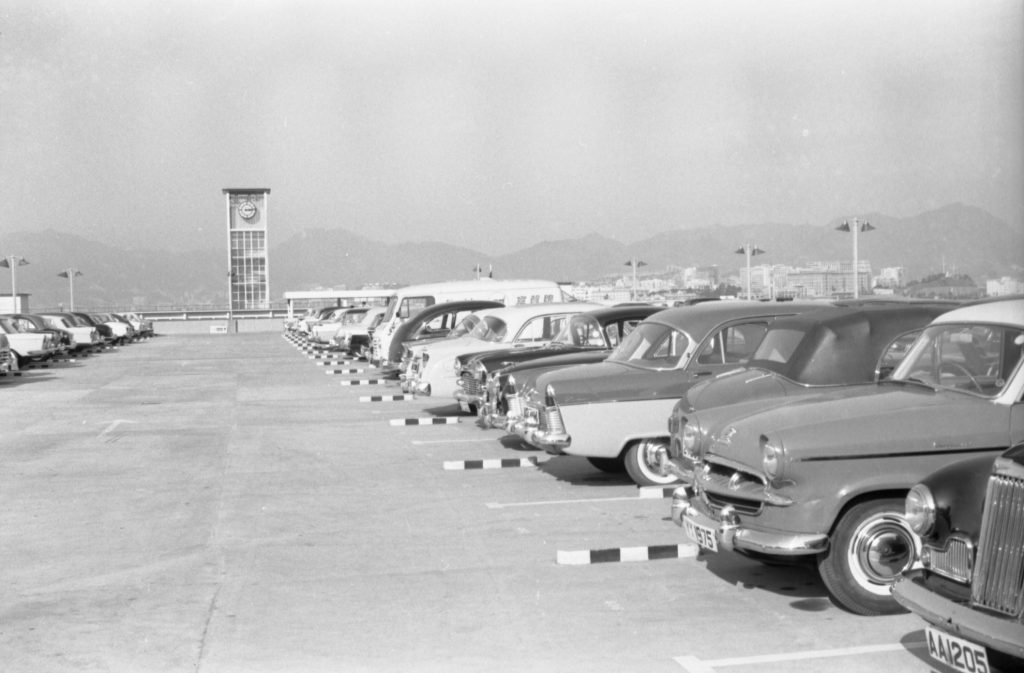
(497, 124)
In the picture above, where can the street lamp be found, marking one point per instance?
(635, 263)
(855, 226)
(749, 249)
(70, 274)
(12, 261)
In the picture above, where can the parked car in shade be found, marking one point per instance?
(970, 586)
(27, 346)
(354, 338)
(593, 333)
(826, 350)
(432, 368)
(85, 335)
(432, 322)
(825, 477)
(603, 411)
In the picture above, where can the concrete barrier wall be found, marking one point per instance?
(218, 326)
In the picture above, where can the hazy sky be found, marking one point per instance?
(495, 124)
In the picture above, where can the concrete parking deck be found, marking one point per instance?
(215, 503)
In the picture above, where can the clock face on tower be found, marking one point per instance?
(247, 209)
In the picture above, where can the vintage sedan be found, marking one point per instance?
(85, 336)
(27, 345)
(604, 411)
(970, 586)
(852, 343)
(354, 338)
(431, 370)
(436, 321)
(824, 477)
(323, 332)
(7, 360)
(594, 333)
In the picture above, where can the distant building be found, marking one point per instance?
(830, 279)
(1004, 286)
(891, 276)
(248, 265)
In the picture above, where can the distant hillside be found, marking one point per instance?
(957, 238)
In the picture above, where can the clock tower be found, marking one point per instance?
(248, 268)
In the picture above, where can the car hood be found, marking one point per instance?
(505, 357)
(613, 382)
(882, 420)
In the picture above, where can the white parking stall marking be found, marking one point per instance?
(331, 372)
(695, 665)
(656, 492)
(362, 382)
(626, 554)
(490, 464)
(386, 398)
(434, 420)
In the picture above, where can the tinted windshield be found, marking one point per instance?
(490, 328)
(652, 346)
(973, 358)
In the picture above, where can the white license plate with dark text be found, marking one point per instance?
(957, 653)
(702, 535)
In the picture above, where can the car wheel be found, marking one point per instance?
(642, 463)
(872, 544)
(610, 465)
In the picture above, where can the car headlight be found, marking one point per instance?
(690, 437)
(920, 510)
(772, 457)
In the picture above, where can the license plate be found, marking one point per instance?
(957, 653)
(702, 535)
(464, 406)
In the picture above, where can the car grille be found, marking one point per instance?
(954, 561)
(728, 486)
(999, 567)
(515, 406)
(471, 385)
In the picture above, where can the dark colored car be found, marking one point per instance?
(970, 588)
(433, 322)
(815, 352)
(594, 333)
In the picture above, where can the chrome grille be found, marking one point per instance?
(515, 406)
(954, 561)
(471, 385)
(999, 568)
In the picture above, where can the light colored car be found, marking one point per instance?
(824, 478)
(28, 346)
(85, 335)
(323, 332)
(142, 325)
(432, 366)
(121, 328)
(7, 360)
(354, 338)
(605, 411)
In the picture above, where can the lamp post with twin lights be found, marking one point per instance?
(749, 249)
(70, 274)
(855, 226)
(11, 262)
(635, 263)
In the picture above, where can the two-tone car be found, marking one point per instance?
(354, 337)
(824, 478)
(591, 335)
(606, 411)
(970, 586)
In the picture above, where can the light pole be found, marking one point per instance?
(635, 263)
(749, 249)
(70, 274)
(12, 261)
(855, 226)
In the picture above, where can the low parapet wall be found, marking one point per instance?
(217, 325)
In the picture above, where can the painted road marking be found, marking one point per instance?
(331, 372)
(363, 382)
(695, 665)
(386, 398)
(436, 420)
(539, 503)
(657, 491)
(626, 554)
(490, 464)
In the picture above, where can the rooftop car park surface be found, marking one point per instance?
(215, 503)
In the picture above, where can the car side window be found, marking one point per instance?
(733, 344)
(541, 328)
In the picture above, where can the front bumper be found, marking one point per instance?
(999, 633)
(732, 535)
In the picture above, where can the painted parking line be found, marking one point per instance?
(331, 372)
(695, 665)
(656, 492)
(626, 554)
(2, 374)
(490, 464)
(362, 382)
(434, 420)
(386, 398)
(331, 363)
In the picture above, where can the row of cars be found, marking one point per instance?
(27, 338)
(794, 432)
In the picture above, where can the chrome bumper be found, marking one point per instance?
(733, 536)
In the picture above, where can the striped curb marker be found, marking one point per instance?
(490, 464)
(362, 382)
(386, 398)
(437, 420)
(657, 491)
(331, 363)
(626, 554)
(332, 372)
(2, 374)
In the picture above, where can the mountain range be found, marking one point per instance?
(955, 238)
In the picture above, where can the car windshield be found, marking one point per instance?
(465, 326)
(977, 359)
(581, 330)
(652, 346)
(490, 328)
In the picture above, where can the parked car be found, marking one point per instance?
(121, 329)
(27, 346)
(142, 325)
(970, 586)
(7, 359)
(433, 322)
(432, 368)
(824, 478)
(323, 332)
(354, 338)
(85, 335)
(603, 411)
(28, 322)
(593, 333)
(105, 331)
(821, 351)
